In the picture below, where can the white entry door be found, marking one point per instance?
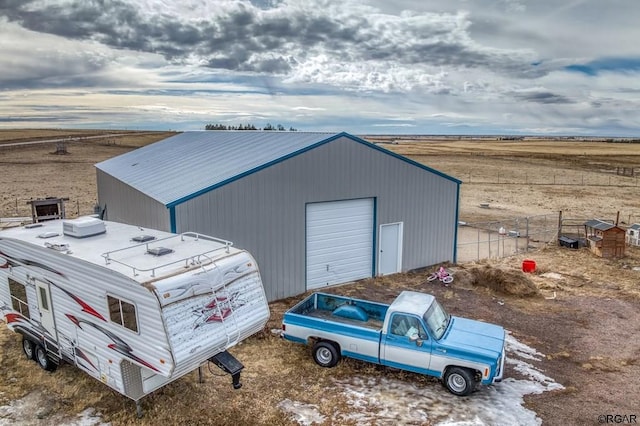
(45, 308)
(390, 254)
(339, 242)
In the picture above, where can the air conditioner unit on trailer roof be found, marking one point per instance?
(83, 227)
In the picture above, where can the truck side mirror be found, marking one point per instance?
(415, 337)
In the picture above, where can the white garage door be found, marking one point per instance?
(339, 242)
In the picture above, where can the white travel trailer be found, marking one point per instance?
(134, 308)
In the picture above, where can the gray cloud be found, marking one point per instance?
(542, 97)
(250, 39)
(480, 65)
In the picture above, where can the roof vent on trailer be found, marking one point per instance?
(83, 227)
(48, 234)
(143, 238)
(57, 246)
(159, 251)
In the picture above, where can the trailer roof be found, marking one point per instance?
(122, 248)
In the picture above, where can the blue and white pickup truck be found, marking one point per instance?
(414, 333)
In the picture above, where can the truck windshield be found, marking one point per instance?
(437, 320)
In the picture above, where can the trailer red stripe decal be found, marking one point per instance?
(13, 317)
(85, 306)
(116, 348)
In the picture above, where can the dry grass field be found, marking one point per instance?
(580, 310)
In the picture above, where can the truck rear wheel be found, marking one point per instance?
(325, 354)
(459, 381)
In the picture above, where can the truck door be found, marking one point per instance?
(46, 308)
(400, 351)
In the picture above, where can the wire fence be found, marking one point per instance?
(503, 238)
(495, 239)
(569, 178)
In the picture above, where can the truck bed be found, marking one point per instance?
(342, 309)
(372, 323)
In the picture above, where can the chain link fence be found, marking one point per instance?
(483, 240)
(496, 239)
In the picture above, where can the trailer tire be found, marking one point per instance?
(43, 360)
(459, 381)
(325, 354)
(28, 348)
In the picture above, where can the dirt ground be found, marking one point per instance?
(580, 310)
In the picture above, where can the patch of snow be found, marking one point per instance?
(521, 350)
(304, 414)
(552, 275)
(382, 401)
(88, 417)
(31, 410)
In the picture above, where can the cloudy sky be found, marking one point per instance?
(365, 67)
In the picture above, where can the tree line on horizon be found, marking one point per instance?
(267, 127)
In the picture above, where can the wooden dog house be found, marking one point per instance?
(605, 239)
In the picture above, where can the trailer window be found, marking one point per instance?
(19, 298)
(123, 313)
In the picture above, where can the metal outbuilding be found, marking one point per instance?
(315, 209)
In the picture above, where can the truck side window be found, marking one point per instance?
(406, 325)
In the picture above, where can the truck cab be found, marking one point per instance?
(419, 335)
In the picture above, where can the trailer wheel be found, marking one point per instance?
(28, 347)
(43, 360)
(459, 381)
(325, 354)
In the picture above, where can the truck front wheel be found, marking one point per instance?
(325, 354)
(459, 381)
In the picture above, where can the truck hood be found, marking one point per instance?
(474, 336)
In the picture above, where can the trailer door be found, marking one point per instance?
(46, 308)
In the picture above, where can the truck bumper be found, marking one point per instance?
(498, 376)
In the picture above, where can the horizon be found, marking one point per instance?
(507, 137)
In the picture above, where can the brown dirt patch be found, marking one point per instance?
(499, 279)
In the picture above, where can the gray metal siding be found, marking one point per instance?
(128, 205)
(265, 212)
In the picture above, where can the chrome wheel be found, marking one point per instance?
(459, 381)
(456, 382)
(43, 360)
(28, 348)
(324, 355)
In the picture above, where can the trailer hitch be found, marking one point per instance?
(229, 364)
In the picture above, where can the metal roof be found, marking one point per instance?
(635, 226)
(191, 163)
(599, 224)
